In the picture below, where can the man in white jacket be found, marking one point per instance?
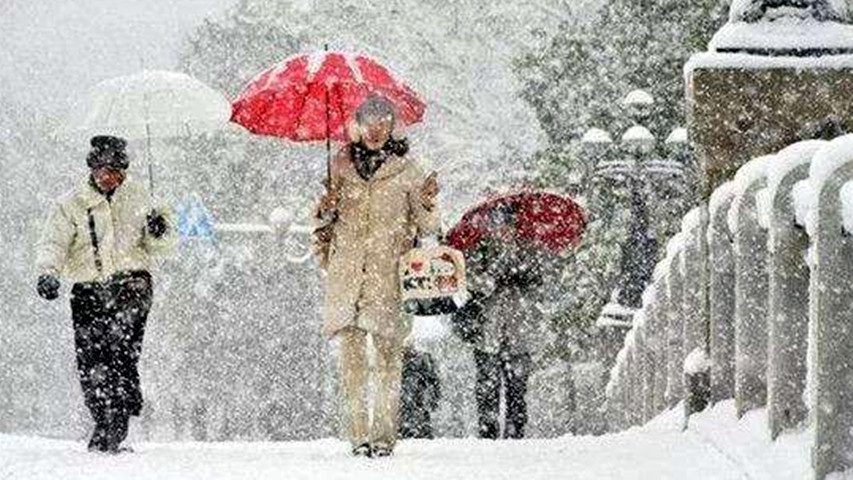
(101, 237)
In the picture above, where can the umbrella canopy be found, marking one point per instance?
(312, 97)
(153, 104)
(539, 220)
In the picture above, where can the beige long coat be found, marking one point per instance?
(378, 220)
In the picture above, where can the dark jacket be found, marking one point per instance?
(420, 393)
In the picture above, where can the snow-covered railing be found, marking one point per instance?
(721, 294)
(755, 297)
(788, 277)
(750, 262)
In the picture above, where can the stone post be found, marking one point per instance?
(789, 291)
(675, 326)
(750, 254)
(831, 312)
(721, 294)
(695, 307)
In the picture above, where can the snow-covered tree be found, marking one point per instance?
(577, 82)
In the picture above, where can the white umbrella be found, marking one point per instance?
(153, 104)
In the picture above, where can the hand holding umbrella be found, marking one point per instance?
(430, 191)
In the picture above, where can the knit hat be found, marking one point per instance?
(108, 151)
(375, 107)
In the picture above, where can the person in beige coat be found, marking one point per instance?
(101, 237)
(378, 203)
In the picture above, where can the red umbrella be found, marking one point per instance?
(539, 219)
(312, 97)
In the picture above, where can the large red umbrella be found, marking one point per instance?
(312, 97)
(543, 220)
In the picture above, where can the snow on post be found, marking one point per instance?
(697, 362)
(638, 135)
(804, 201)
(678, 135)
(831, 312)
(693, 269)
(788, 276)
(645, 366)
(653, 328)
(633, 382)
(658, 304)
(750, 255)
(619, 397)
(778, 70)
(846, 197)
(596, 136)
(675, 324)
(792, 28)
(638, 97)
(695, 303)
(721, 293)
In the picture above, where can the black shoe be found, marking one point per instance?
(381, 451)
(118, 450)
(514, 432)
(98, 442)
(116, 433)
(362, 450)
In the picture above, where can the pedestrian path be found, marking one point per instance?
(715, 447)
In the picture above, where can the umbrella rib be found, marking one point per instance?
(303, 100)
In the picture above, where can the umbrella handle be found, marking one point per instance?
(151, 178)
(150, 161)
(328, 134)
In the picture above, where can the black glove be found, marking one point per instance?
(157, 225)
(467, 322)
(48, 287)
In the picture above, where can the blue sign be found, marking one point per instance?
(194, 221)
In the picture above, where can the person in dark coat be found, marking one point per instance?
(102, 236)
(506, 330)
(421, 391)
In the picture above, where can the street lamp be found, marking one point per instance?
(629, 171)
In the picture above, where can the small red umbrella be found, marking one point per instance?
(539, 219)
(312, 97)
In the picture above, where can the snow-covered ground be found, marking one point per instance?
(714, 447)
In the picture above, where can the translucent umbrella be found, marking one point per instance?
(153, 104)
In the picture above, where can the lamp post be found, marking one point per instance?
(631, 171)
(655, 187)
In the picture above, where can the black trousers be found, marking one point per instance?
(109, 323)
(510, 370)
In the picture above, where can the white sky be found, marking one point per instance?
(53, 51)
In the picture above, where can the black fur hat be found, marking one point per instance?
(108, 151)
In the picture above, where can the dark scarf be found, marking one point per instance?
(367, 161)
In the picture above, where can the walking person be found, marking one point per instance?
(377, 203)
(421, 392)
(515, 247)
(101, 237)
(506, 329)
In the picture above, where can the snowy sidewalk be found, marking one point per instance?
(716, 448)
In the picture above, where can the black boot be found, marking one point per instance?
(117, 432)
(362, 450)
(98, 442)
(517, 372)
(381, 451)
(487, 394)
